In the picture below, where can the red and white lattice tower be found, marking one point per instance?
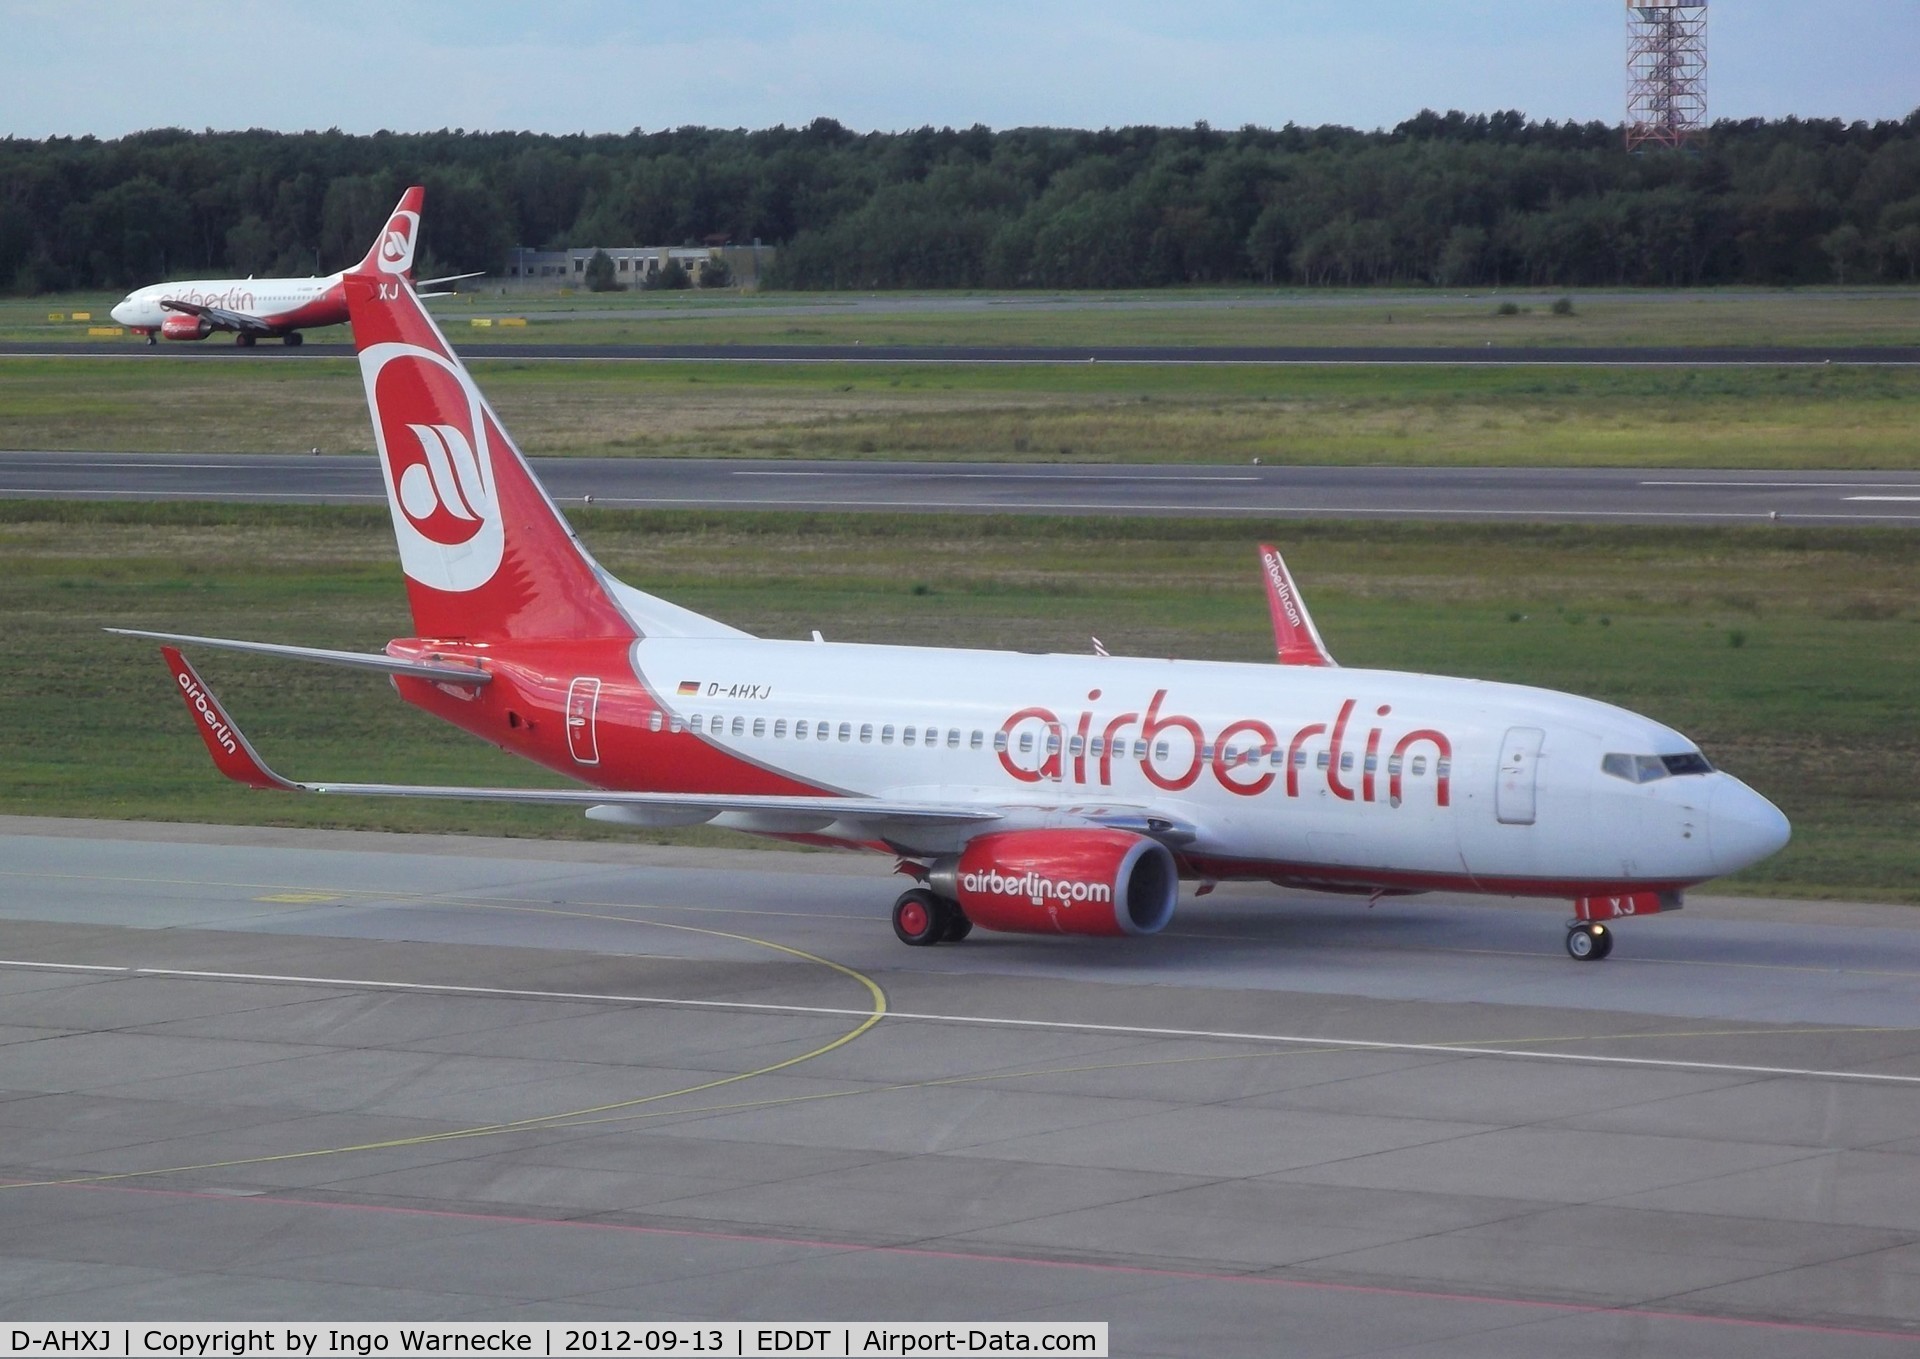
(1666, 72)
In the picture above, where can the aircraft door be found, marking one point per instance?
(583, 707)
(1513, 797)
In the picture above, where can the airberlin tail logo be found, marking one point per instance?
(437, 456)
(396, 243)
(448, 483)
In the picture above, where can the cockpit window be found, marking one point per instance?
(1647, 768)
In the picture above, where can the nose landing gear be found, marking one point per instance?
(1588, 941)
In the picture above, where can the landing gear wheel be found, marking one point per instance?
(293, 337)
(244, 340)
(920, 918)
(958, 926)
(152, 339)
(1589, 943)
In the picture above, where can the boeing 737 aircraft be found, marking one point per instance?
(262, 308)
(1027, 793)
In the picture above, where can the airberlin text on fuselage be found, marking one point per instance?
(233, 299)
(1240, 755)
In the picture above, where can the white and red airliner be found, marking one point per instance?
(266, 308)
(1026, 793)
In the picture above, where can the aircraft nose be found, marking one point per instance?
(1743, 828)
(122, 312)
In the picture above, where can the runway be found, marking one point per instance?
(478, 351)
(1447, 494)
(307, 1075)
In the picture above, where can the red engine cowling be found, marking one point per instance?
(1063, 882)
(181, 326)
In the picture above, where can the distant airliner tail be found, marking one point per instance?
(392, 250)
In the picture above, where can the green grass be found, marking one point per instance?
(1814, 705)
(1827, 417)
(1199, 316)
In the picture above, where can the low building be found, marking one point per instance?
(633, 265)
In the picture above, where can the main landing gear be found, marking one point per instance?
(921, 918)
(244, 340)
(1588, 941)
(293, 337)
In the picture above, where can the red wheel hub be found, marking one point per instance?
(913, 918)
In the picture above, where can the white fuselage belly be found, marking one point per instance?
(1558, 818)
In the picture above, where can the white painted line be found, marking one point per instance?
(1795, 485)
(1884, 497)
(996, 1022)
(242, 462)
(934, 471)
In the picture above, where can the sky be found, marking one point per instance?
(109, 67)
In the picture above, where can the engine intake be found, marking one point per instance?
(1091, 881)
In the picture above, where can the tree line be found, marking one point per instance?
(1451, 200)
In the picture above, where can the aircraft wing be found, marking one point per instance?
(220, 318)
(235, 757)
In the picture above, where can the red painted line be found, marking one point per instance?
(976, 1257)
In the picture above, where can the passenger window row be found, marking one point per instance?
(807, 729)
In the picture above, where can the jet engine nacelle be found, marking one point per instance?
(179, 325)
(1092, 881)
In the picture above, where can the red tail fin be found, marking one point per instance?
(392, 250)
(486, 554)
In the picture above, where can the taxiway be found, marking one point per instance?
(1503, 494)
(253, 1073)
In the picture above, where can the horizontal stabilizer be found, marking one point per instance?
(448, 672)
(445, 278)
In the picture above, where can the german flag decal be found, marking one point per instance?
(689, 687)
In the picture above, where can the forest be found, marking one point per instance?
(1443, 200)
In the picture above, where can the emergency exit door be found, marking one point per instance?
(1513, 797)
(583, 706)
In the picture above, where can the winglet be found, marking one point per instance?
(1295, 639)
(230, 750)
